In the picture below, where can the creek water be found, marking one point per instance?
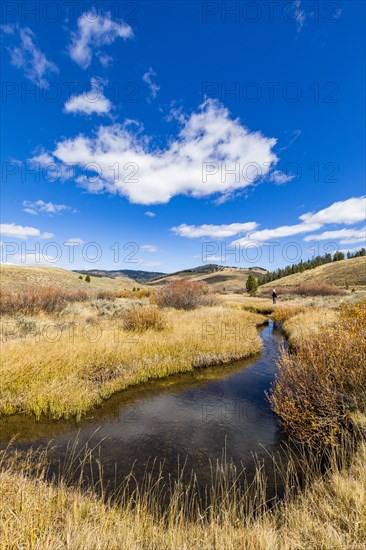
(190, 418)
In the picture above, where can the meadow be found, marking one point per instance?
(52, 366)
(65, 352)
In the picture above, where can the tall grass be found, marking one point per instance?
(67, 370)
(140, 319)
(329, 513)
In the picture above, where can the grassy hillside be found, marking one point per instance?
(139, 276)
(345, 272)
(226, 278)
(18, 277)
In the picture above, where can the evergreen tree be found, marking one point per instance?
(251, 284)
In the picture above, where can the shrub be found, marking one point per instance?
(318, 388)
(108, 308)
(35, 299)
(141, 319)
(252, 284)
(142, 293)
(105, 295)
(26, 325)
(87, 279)
(181, 294)
(308, 290)
(81, 277)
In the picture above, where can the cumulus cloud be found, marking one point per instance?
(148, 77)
(348, 212)
(96, 30)
(213, 231)
(345, 235)
(92, 101)
(148, 174)
(25, 54)
(40, 207)
(52, 169)
(22, 232)
(150, 214)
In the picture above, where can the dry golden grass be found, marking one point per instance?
(351, 273)
(15, 278)
(140, 319)
(229, 279)
(305, 324)
(68, 367)
(329, 514)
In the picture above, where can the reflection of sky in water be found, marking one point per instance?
(188, 418)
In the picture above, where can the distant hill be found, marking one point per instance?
(343, 273)
(137, 275)
(18, 277)
(218, 277)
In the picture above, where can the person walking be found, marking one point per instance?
(274, 296)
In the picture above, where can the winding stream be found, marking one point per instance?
(191, 417)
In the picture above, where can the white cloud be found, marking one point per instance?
(149, 247)
(214, 259)
(278, 233)
(92, 101)
(27, 56)
(295, 135)
(22, 232)
(28, 258)
(213, 231)
(150, 264)
(95, 30)
(348, 212)
(148, 78)
(50, 208)
(299, 15)
(342, 212)
(149, 175)
(74, 241)
(279, 178)
(52, 169)
(105, 59)
(150, 214)
(345, 235)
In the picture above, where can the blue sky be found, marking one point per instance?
(170, 134)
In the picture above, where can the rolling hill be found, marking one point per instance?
(343, 273)
(218, 277)
(19, 277)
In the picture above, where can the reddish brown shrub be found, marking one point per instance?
(307, 290)
(319, 387)
(35, 299)
(181, 294)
